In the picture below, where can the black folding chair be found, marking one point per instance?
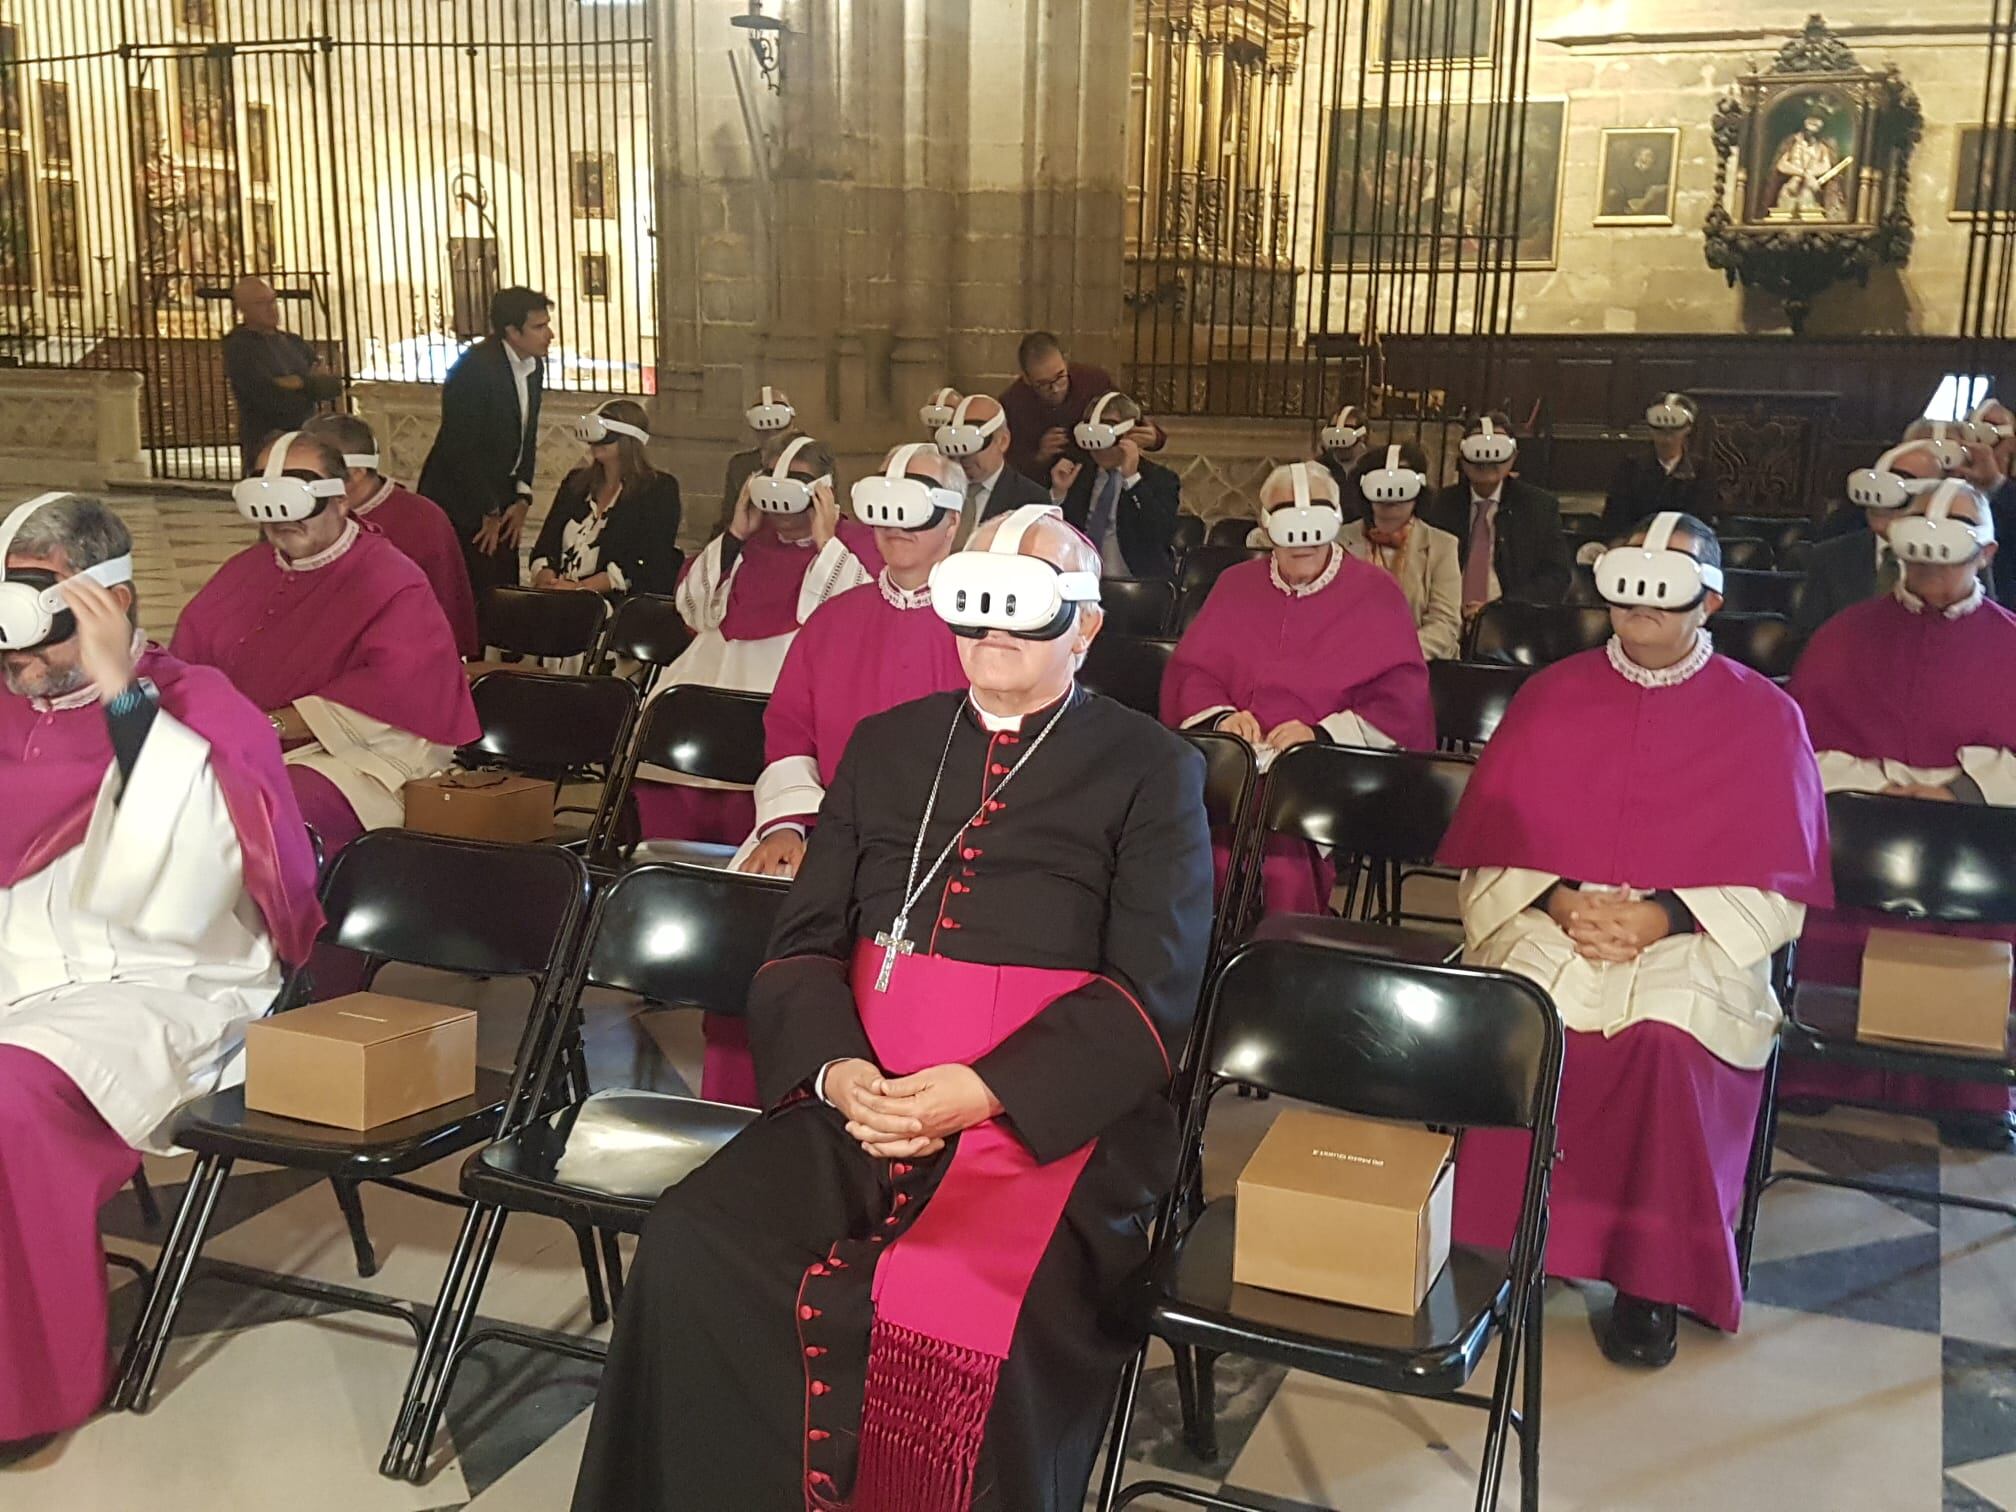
(1532, 635)
(1780, 532)
(647, 628)
(1748, 554)
(1231, 791)
(1136, 606)
(1189, 533)
(1128, 669)
(1917, 862)
(1382, 814)
(1452, 1046)
(560, 728)
(1765, 643)
(393, 895)
(711, 733)
(1231, 531)
(1582, 590)
(679, 936)
(1762, 592)
(1471, 699)
(1202, 566)
(542, 621)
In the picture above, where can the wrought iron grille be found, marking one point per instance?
(386, 164)
(1984, 189)
(1320, 183)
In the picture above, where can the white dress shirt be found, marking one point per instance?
(521, 377)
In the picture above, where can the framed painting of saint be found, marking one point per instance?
(1637, 173)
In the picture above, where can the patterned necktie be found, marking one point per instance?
(1099, 523)
(1483, 542)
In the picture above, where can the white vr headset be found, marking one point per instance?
(777, 492)
(1315, 518)
(1338, 436)
(1937, 536)
(595, 427)
(1879, 488)
(1978, 428)
(1394, 483)
(1671, 413)
(1655, 575)
(368, 461)
(1095, 434)
(937, 410)
(959, 437)
(1489, 446)
(273, 498)
(896, 502)
(34, 612)
(1001, 589)
(769, 413)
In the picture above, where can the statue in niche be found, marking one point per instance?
(1813, 172)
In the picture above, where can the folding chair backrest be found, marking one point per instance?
(1748, 553)
(1128, 669)
(1384, 805)
(1202, 566)
(648, 629)
(1189, 532)
(1136, 606)
(455, 905)
(1230, 776)
(1229, 532)
(1471, 698)
(1534, 635)
(1764, 643)
(548, 725)
(1382, 1038)
(715, 733)
(688, 936)
(1942, 862)
(542, 621)
(1753, 592)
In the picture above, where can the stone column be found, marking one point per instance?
(675, 209)
(917, 360)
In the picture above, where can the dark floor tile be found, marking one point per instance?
(1244, 1389)
(247, 1194)
(1957, 1498)
(1980, 1402)
(1894, 1282)
(1840, 1153)
(507, 1401)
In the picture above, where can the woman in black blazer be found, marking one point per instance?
(614, 525)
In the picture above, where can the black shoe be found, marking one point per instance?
(1976, 1131)
(1805, 1107)
(1641, 1332)
(15, 1450)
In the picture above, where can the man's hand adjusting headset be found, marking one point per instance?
(777, 492)
(1001, 589)
(33, 611)
(273, 497)
(1656, 575)
(896, 502)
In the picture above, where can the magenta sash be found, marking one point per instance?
(949, 1291)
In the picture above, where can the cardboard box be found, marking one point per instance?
(1350, 1210)
(482, 806)
(1934, 990)
(360, 1061)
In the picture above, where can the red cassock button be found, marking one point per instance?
(807, 1314)
(813, 1351)
(998, 770)
(969, 852)
(818, 1435)
(820, 1388)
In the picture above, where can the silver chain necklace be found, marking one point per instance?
(892, 939)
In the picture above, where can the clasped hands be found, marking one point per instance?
(908, 1117)
(1609, 927)
(1931, 790)
(1290, 732)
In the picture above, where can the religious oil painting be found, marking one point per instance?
(63, 247)
(1401, 187)
(594, 275)
(1980, 188)
(1418, 33)
(1806, 159)
(210, 232)
(594, 185)
(203, 101)
(259, 143)
(265, 237)
(1636, 184)
(11, 114)
(54, 98)
(17, 237)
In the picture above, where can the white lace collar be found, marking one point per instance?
(903, 598)
(1664, 677)
(321, 558)
(384, 492)
(1960, 610)
(1316, 584)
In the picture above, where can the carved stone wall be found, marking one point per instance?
(70, 429)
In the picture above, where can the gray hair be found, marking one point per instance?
(83, 530)
(346, 432)
(928, 459)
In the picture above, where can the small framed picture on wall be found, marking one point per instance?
(1636, 167)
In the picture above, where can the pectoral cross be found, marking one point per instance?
(893, 944)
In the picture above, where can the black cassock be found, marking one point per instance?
(740, 1364)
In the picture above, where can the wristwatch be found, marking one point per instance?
(279, 724)
(140, 691)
